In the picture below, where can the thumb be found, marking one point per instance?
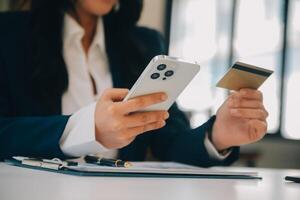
(257, 130)
(115, 94)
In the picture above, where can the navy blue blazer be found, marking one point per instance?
(29, 127)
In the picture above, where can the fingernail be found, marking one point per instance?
(166, 116)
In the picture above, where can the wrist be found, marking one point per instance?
(218, 142)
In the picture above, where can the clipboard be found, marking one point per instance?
(88, 170)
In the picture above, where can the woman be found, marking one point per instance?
(64, 55)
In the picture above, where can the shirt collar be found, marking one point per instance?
(73, 32)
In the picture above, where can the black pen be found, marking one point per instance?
(107, 162)
(293, 178)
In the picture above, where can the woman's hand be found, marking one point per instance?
(240, 120)
(118, 123)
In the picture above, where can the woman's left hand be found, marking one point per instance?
(240, 120)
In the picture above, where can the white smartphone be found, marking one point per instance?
(164, 74)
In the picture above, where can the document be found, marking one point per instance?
(159, 168)
(137, 169)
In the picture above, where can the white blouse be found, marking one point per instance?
(79, 100)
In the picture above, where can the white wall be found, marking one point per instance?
(153, 15)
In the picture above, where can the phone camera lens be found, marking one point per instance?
(161, 67)
(169, 73)
(155, 75)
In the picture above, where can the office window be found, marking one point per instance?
(258, 41)
(218, 33)
(291, 125)
(200, 31)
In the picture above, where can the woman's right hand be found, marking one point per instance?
(117, 123)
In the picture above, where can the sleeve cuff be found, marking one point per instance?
(78, 138)
(213, 152)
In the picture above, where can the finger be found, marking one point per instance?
(251, 94)
(245, 103)
(249, 113)
(117, 94)
(143, 118)
(133, 132)
(257, 129)
(141, 102)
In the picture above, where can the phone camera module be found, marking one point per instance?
(169, 73)
(161, 67)
(155, 75)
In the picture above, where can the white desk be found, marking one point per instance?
(26, 184)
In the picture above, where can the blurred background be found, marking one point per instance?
(217, 33)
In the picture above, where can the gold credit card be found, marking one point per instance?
(242, 75)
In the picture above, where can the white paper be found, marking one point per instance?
(159, 168)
